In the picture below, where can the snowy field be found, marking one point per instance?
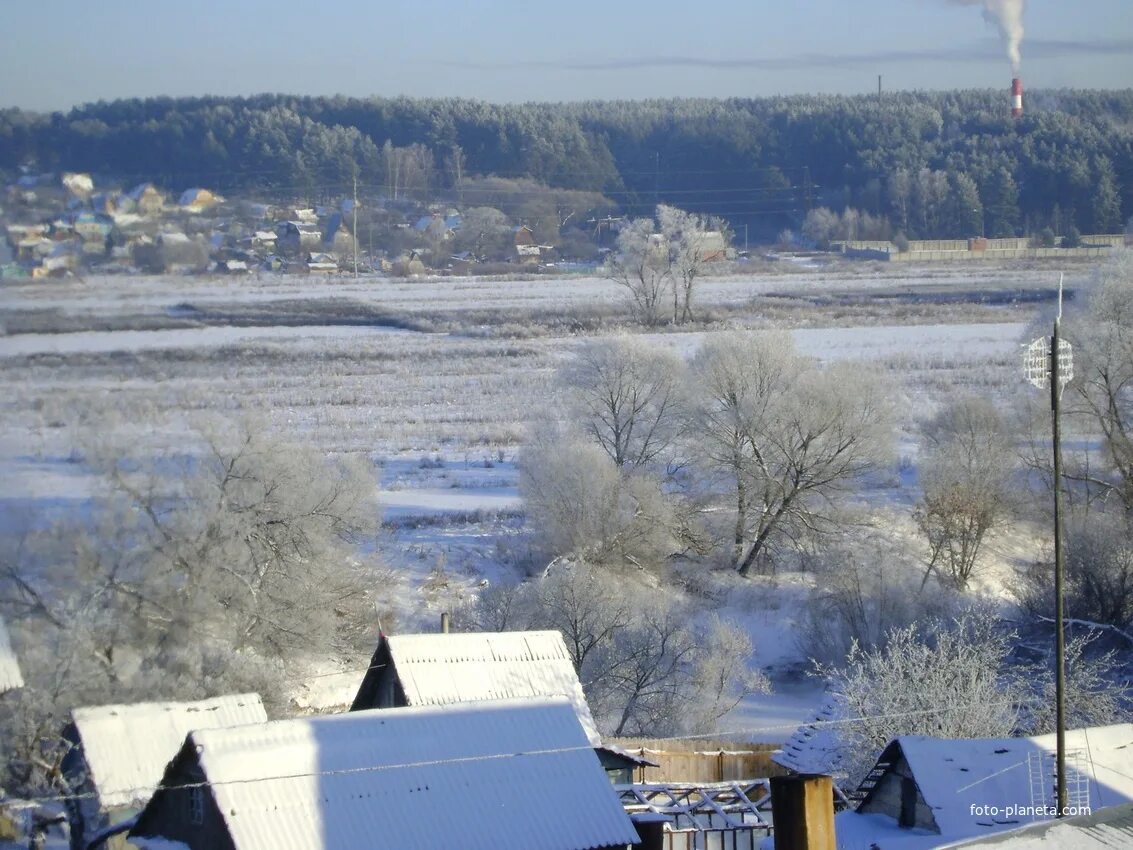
(442, 415)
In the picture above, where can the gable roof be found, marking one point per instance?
(512, 773)
(445, 668)
(10, 677)
(962, 779)
(126, 747)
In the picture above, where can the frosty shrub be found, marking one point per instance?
(862, 593)
(1099, 576)
(940, 678)
(581, 504)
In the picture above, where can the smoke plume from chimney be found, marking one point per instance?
(1008, 16)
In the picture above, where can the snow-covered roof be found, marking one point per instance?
(126, 747)
(975, 787)
(816, 747)
(439, 668)
(1105, 830)
(10, 677)
(513, 773)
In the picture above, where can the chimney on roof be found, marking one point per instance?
(803, 809)
(444, 622)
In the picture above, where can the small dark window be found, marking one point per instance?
(196, 806)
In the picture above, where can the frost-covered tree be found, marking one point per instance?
(624, 395)
(580, 503)
(641, 266)
(647, 665)
(967, 458)
(1101, 395)
(695, 243)
(199, 575)
(785, 435)
(959, 679)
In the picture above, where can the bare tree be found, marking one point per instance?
(967, 459)
(642, 267)
(786, 435)
(625, 395)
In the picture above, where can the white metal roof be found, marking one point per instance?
(1109, 829)
(10, 677)
(983, 786)
(512, 773)
(127, 747)
(438, 669)
(956, 777)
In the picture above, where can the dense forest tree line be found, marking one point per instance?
(933, 164)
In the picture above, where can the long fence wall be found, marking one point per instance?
(701, 760)
(945, 250)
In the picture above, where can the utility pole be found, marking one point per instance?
(354, 229)
(1048, 362)
(1059, 633)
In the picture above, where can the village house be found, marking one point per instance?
(321, 264)
(78, 185)
(443, 668)
(10, 677)
(337, 238)
(298, 236)
(927, 791)
(198, 200)
(120, 751)
(146, 199)
(491, 775)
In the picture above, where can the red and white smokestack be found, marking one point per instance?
(1016, 97)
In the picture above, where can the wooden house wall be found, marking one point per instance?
(168, 816)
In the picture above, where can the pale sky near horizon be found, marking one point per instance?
(58, 53)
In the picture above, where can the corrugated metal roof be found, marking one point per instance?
(959, 776)
(439, 669)
(10, 677)
(513, 773)
(127, 747)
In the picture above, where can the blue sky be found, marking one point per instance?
(57, 53)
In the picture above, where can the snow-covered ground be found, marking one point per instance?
(442, 416)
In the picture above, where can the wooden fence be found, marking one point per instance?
(701, 760)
